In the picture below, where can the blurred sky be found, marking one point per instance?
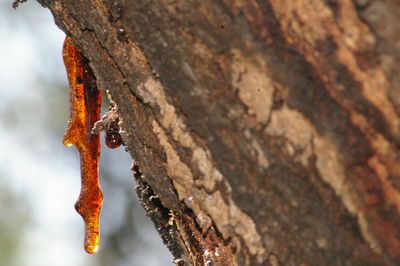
(39, 177)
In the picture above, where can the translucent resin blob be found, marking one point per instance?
(85, 101)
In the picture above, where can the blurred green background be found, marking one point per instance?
(39, 177)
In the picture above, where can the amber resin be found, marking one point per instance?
(113, 139)
(85, 101)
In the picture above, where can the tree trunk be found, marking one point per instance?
(262, 132)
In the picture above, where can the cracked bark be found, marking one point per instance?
(262, 132)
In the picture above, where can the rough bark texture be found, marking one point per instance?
(263, 132)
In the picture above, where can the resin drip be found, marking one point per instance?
(113, 139)
(85, 101)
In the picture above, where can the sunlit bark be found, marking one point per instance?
(261, 131)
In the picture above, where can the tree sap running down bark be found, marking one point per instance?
(85, 100)
(262, 132)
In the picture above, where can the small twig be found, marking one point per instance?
(17, 2)
(106, 121)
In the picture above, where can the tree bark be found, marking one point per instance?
(262, 132)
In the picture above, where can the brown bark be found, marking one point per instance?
(262, 131)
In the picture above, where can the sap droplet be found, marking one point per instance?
(113, 139)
